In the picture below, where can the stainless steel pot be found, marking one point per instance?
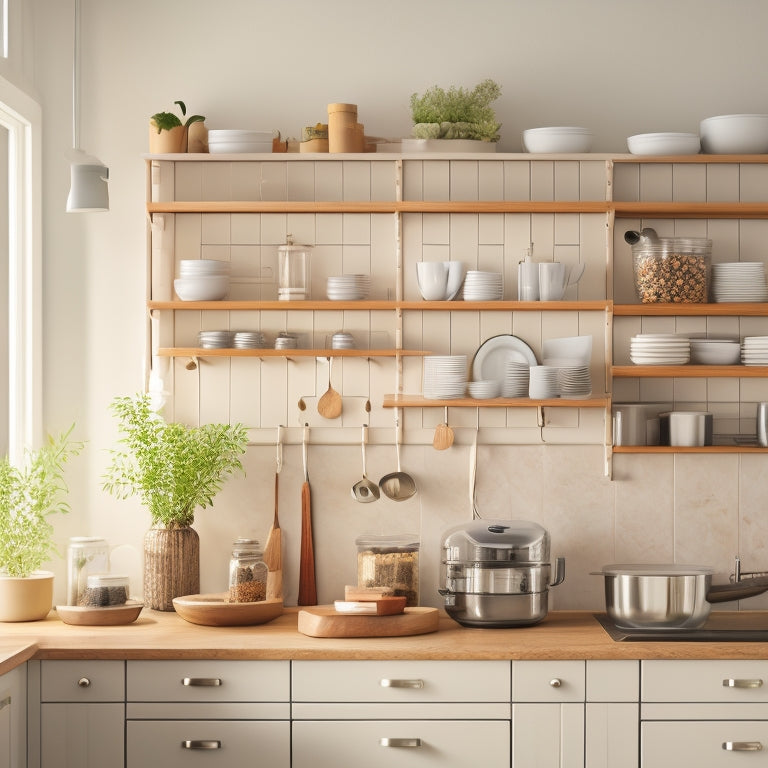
(668, 596)
(497, 573)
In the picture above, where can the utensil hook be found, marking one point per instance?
(279, 448)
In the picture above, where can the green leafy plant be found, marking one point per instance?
(29, 495)
(171, 467)
(167, 120)
(457, 113)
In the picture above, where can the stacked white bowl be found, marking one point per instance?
(202, 280)
(483, 286)
(445, 377)
(516, 378)
(238, 142)
(664, 144)
(348, 287)
(739, 281)
(574, 378)
(754, 350)
(484, 389)
(659, 349)
(544, 382)
(715, 351)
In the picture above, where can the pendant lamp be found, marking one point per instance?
(89, 176)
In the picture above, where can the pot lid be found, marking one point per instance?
(481, 541)
(660, 569)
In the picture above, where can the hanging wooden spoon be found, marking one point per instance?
(329, 405)
(443, 438)
(273, 550)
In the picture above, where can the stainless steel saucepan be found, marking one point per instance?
(668, 596)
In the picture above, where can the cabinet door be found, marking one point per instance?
(82, 735)
(548, 736)
(179, 743)
(611, 735)
(401, 744)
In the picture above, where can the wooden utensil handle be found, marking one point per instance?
(307, 586)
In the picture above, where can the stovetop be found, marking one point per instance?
(721, 627)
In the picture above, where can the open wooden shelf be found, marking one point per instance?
(686, 449)
(745, 308)
(689, 371)
(418, 401)
(228, 352)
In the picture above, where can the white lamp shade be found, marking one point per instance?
(89, 190)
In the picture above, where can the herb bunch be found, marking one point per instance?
(171, 467)
(29, 495)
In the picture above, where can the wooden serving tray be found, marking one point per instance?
(326, 621)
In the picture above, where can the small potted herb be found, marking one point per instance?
(29, 495)
(167, 133)
(457, 113)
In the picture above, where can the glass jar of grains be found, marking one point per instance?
(247, 572)
(391, 562)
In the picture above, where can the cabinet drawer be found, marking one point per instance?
(401, 744)
(701, 744)
(84, 681)
(697, 681)
(179, 743)
(401, 681)
(548, 681)
(181, 681)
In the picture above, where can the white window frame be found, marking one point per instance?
(21, 116)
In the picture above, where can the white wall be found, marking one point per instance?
(619, 67)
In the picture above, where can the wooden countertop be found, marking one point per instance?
(159, 635)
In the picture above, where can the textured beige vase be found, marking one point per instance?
(167, 142)
(26, 599)
(171, 566)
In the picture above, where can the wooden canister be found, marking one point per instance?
(345, 134)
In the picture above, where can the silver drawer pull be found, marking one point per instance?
(201, 744)
(555, 682)
(387, 683)
(742, 746)
(84, 682)
(737, 683)
(202, 681)
(385, 742)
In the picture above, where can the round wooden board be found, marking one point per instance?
(326, 621)
(212, 611)
(109, 615)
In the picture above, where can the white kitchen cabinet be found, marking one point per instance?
(82, 714)
(13, 718)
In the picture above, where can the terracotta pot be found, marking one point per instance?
(167, 142)
(171, 566)
(26, 599)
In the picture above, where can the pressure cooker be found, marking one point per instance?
(497, 573)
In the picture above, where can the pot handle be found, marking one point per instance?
(722, 593)
(559, 574)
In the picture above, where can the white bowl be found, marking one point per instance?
(203, 267)
(712, 352)
(664, 144)
(202, 288)
(557, 140)
(734, 134)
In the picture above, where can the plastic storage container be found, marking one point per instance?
(247, 572)
(675, 270)
(103, 589)
(389, 561)
(85, 555)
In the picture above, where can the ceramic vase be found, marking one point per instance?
(167, 142)
(28, 598)
(171, 566)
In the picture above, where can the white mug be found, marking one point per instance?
(552, 280)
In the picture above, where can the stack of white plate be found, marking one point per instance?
(754, 350)
(544, 382)
(249, 340)
(445, 376)
(483, 286)
(739, 281)
(342, 340)
(715, 351)
(286, 340)
(239, 141)
(516, 378)
(659, 349)
(485, 389)
(575, 381)
(202, 280)
(215, 339)
(348, 287)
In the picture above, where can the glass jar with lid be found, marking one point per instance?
(390, 561)
(247, 572)
(85, 555)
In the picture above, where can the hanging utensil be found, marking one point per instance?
(273, 550)
(307, 586)
(399, 485)
(365, 490)
(473, 478)
(329, 405)
(443, 438)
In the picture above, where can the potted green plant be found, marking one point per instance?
(167, 133)
(29, 495)
(173, 469)
(456, 113)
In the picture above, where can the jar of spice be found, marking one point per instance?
(103, 589)
(391, 562)
(247, 572)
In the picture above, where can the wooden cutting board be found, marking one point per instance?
(326, 621)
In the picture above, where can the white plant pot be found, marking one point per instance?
(26, 599)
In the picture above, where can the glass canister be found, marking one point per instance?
(389, 561)
(85, 555)
(247, 572)
(672, 269)
(103, 589)
(293, 271)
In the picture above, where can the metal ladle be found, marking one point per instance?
(365, 490)
(399, 485)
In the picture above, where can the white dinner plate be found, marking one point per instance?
(492, 356)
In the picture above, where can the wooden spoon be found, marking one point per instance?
(443, 438)
(273, 550)
(329, 405)
(307, 585)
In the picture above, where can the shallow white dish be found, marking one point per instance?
(734, 134)
(664, 144)
(557, 140)
(202, 287)
(492, 356)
